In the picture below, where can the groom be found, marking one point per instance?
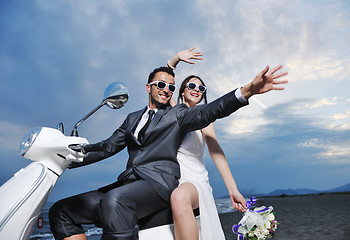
(152, 137)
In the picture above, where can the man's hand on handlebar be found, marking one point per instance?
(78, 148)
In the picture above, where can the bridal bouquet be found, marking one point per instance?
(257, 224)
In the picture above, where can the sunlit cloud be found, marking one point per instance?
(319, 68)
(339, 153)
(341, 115)
(243, 124)
(312, 143)
(334, 126)
(322, 102)
(334, 153)
(239, 126)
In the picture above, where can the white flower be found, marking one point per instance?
(271, 217)
(260, 235)
(266, 232)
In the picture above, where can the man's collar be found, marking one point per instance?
(155, 110)
(165, 106)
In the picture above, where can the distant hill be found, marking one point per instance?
(298, 191)
(302, 191)
(345, 188)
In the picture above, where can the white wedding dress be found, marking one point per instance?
(190, 158)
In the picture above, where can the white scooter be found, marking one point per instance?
(25, 194)
(23, 197)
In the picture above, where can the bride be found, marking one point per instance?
(194, 189)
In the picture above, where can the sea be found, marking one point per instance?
(223, 205)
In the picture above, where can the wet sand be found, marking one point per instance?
(325, 216)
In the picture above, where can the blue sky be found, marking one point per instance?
(57, 57)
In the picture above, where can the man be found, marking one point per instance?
(152, 170)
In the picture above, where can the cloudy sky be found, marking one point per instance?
(57, 57)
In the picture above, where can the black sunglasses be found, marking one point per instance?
(161, 85)
(192, 86)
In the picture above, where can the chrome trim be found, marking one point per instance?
(28, 140)
(19, 203)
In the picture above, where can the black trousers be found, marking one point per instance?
(116, 211)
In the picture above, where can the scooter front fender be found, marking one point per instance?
(22, 199)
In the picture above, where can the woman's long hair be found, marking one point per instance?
(183, 86)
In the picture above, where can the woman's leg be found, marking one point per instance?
(183, 200)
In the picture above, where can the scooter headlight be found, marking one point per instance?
(28, 140)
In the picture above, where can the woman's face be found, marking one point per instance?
(192, 97)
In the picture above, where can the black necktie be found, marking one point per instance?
(143, 129)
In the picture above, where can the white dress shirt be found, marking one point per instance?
(143, 121)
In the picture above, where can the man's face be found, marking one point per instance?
(160, 97)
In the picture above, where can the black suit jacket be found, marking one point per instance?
(155, 158)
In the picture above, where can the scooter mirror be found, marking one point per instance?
(116, 95)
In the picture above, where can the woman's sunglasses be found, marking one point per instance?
(192, 86)
(162, 85)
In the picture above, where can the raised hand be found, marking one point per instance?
(187, 55)
(264, 82)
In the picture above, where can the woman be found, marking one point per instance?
(194, 189)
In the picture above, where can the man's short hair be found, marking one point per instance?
(160, 69)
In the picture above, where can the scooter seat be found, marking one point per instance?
(162, 217)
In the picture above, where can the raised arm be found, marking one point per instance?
(185, 56)
(220, 161)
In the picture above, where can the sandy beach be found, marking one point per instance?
(325, 216)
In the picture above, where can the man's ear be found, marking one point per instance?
(148, 88)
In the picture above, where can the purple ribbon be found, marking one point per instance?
(235, 230)
(249, 204)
